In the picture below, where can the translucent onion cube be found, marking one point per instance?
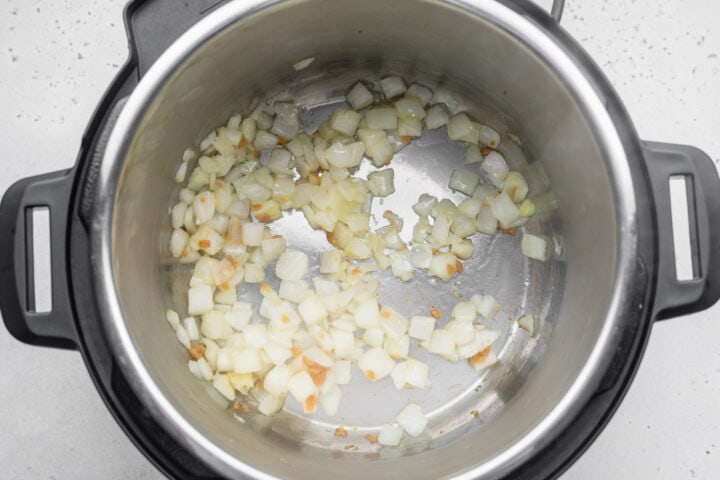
(515, 187)
(345, 156)
(276, 353)
(394, 324)
(359, 97)
(247, 361)
(486, 305)
(425, 205)
(200, 299)
(464, 312)
(485, 222)
(472, 155)
(293, 291)
(271, 404)
(420, 255)
(381, 183)
(504, 209)
(527, 322)
(276, 380)
(292, 265)
(412, 420)
(377, 145)
(409, 127)
(461, 128)
(381, 118)
(462, 249)
(422, 93)
(374, 336)
(191, 326)
(398, 375)
(463, 181)
(203, 207)
(416, 373)
(436, 117)
(463, 226)
(342, 372)
(401, 265)
(182, 336)
(367, 313)
(410, 107)
(390, 435)
(254, 273)
(265, 140)
(463, 331)
(534, 247)
(488, 136)
(255, 335)
(443, 266)
(330, 400)
(392, 86)
(376, 363)
(442, 342)
(343, 342)
(222, 385)
(495, 166)
(483, 339)
(312, 310)
(345, 121)
(301, 386)
(397, 347)
(484, 361)
(421, 327)
(239, 315)
(173, 318)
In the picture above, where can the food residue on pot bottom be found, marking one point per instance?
(308, 334)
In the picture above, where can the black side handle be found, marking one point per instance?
(675, 297)
(153, 26)
(57, 327)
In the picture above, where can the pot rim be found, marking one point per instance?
(525, 22)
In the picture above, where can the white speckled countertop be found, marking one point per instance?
(56, 59)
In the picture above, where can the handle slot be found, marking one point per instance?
(684, 227)
(38, 260)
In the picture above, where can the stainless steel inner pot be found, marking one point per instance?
(501, 62)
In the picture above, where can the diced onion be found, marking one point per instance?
(392, 86)
(436, 117)
(380, 183)
(412, 420)
(390, 435)
(359, 97)
(534, 247)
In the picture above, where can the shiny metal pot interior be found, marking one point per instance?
(499, 62)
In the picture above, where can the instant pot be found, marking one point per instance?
(191, 64)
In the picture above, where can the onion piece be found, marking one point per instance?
(292, 265)
(422, 93)
(436, 117)
(461, 128)
(390, 435)
(392, 86)
(527, 322)
(222, 384)
(359, 97)
(381, 118)
(412, 420)
(534, 247)
(380, 183)
(504, 209)
(344, 121)
(443, 266)
(376, 364)
(345, 156)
